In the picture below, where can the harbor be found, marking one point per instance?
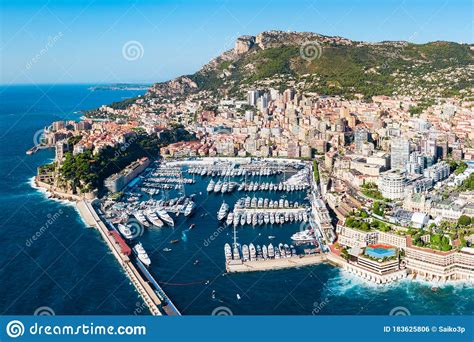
(155, 219)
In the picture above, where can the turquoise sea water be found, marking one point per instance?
(69, 269)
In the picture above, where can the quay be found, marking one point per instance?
(234, 266)
(155, 299)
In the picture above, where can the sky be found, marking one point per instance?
(103, 41)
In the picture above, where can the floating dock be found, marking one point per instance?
(234, 266)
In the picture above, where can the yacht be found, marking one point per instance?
(235, 252)
(247, 202)
(141, 254)
(189, 208)
(303, 236)
(141, 218)
(266, 218)
(218, 186)
(242, 219)
(222, 213)
(264, 252)
(211, 185)
(253, 252)
(230, 219)
(154, 219)
(125, 231)
(249, 218)
(225, 187)
(227, 252)
(245, 253)
(165, 217)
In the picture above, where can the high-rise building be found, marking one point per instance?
(400, 153)
(252, 96)
(361, 136)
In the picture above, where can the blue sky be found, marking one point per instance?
(83, 41)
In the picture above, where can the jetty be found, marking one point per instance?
(234, 266)
(152, 294)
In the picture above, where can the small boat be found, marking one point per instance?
(174, 241)
(223, 210)
(227, 252)
(166, 249)
(192, 226)
(271, 237)
(210, 186)
(189, 208)
(238, 296)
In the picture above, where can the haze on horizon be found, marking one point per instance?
(144, 41)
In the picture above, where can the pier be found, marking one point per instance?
(148, 288)
(234, 266)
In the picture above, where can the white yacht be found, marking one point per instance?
(189, 208)
(222, 213)
(165, 217)
(227, 252)
(154, 219)
(125, 231)
(141, 254)
(141, 218)
(303, 236)
(210, 186)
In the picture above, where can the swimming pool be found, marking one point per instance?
(380, 251)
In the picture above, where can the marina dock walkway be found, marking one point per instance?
(275, 264)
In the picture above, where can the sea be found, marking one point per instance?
(52, 262)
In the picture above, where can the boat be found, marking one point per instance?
(264, 252)
(235, 252)
(225, 187)
(245, 253)
(249, 218)
(141, 218)
(166, 249)
(227, 252)
(271, 237)
(266, 218)
(223, 210)
(230, 219)
(189, 208)
(192, 226)
(253, 253)
(125, 231)
(218, 186)
(303, 236)
(141, 254)
(210, 186)
(174, 241)
(271, 251)
(242, 219)
(154, 219)
(165, 217)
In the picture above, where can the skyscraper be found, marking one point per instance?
(400, 153)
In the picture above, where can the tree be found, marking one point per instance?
(464, 220)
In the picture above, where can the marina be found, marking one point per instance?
(161, 208)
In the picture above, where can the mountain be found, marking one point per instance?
(332, 66)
